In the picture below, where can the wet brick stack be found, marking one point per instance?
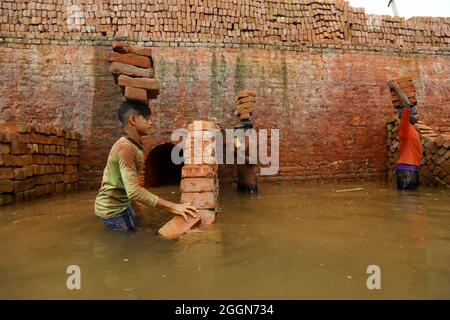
(133, 70)
(435, 165)
(406, 84)
(199, 184)
(245, 104)
(36, 160)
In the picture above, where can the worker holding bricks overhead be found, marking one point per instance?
(120, 183)
(407, 167)
(246, 172)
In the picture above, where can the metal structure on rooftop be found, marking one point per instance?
(393, 4)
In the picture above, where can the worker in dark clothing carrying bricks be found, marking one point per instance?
(246, 143)
(247, 173)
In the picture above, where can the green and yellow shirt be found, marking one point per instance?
(120, 184)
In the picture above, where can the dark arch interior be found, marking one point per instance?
(159, 168)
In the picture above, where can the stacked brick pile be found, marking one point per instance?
(406, 84)
(199, 184)
(267, 22)
(36, 160)
(245, 104)
(132, 68)
(435, 165)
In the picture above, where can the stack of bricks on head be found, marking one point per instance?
(36, 160)
(245, 104)
(133, 70)
(199, 183)
(406, 84)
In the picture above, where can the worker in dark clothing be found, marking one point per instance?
(246, 173)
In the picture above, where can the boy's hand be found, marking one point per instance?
(184, 210)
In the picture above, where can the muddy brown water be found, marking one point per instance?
(288, 242)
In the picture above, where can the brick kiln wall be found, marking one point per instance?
(319, 70)
(230, 21)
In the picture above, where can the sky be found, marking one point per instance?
(406, 8)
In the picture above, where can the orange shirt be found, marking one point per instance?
(410, 145)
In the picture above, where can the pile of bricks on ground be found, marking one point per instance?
(133, 70)
(221, 21)
(406, 84)
(36, 160)
(435, 165)
(199, 184)
(245, 104)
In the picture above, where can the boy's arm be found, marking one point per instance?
(246, 151)
(249, 157)
(135, 192)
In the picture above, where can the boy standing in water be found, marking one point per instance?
(407, 167)
(120, 183)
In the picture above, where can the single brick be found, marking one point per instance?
(178, 226)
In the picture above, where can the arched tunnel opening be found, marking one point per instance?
(160, 169)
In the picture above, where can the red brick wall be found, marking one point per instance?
(331, 108)
(326, 92)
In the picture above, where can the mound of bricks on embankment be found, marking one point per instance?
(133, 70)
(435, 165)
(36, 160)
(199, 183)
